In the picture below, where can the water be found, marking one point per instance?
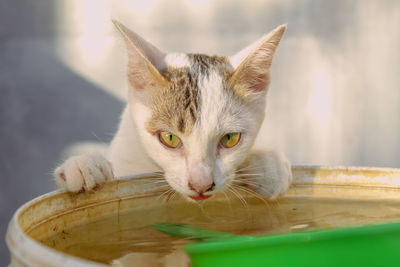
(128, 238)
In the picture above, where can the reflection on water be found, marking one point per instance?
(129, 238)
(334, 96)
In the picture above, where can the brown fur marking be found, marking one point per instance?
(170, 105)
(176, 107)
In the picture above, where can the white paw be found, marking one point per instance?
(272, 173)
(83, 173)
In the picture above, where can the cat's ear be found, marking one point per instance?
(252, 64)
(144, 60)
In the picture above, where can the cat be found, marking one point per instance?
(195, 118)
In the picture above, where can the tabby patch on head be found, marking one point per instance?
(177, 106)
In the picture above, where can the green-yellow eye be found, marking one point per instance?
(230, 140)
(169, 139)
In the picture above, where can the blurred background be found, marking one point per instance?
(334, 97)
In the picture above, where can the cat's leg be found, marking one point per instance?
(83, 173)
(268, 173)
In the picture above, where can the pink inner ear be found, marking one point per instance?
(259, 82)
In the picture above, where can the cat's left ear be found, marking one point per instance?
(252, 64)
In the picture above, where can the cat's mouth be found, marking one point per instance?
(200, 197)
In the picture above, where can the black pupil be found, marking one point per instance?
(170, 137)
(228, 136)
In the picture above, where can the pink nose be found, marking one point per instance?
(200, 189)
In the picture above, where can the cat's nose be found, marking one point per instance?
(201, 177)
(200, 189)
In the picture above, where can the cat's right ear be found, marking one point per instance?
(144, 60)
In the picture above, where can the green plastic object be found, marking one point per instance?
(374, 245)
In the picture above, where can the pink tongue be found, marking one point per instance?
(200, 197)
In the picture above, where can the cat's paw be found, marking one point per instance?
(83, 173)
(270, 173)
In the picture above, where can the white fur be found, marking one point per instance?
(177, 60)
(127, 150)
(200, 160)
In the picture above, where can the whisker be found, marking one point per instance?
(175, 195)
(267, 192)
(247, 165)
(162, 194)
(262, 170)
(253, 194)
(201, 206)
(157, 179)
(160, 197)
(229, 200)
(253, 179)
(156, 183)
(237, 195)
(244, 200)
(164, 187)
(247, 178)
(250, 174)
(244, 182)
(250, 167)
(168, 198)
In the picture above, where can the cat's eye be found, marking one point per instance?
(230, 140)
(169, 139)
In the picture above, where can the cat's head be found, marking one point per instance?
(198, 115)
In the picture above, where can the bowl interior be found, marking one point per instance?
(114, 223)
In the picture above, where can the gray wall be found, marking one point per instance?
(44, 106)
(334, 96)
